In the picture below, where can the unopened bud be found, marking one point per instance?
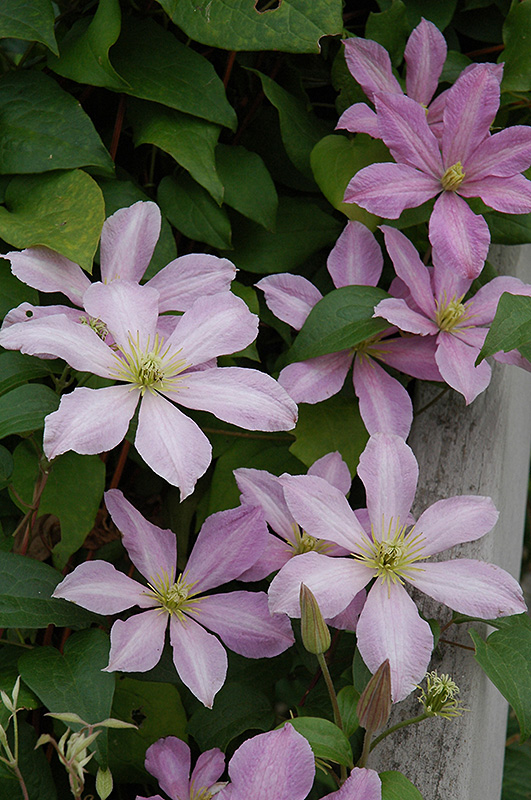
(315, 634)
(374, 705)
(104, 783)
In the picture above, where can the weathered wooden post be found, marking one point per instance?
(480, 449)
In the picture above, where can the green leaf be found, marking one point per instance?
(341, 319)
(294, 27)
(248, 185)
(321, 428)
(390, 28)
(12, 291)
(191, 141)
(326, 739)
(336, 159)
(26, 600)
(34, 767)
(347, 700)
(74, 681)
(32, 22)
(60, 210)
(23, 409)
(510, 328)
(192, 211)
(453, 66)
(237, 708)
(396, 786)
(159, 67)
(9, 673)
(16, 369)
(84, 51)
(516, 772)
(509, 228)
(440, 13)
(157, 710)
(301, 230)
(44, 128)
(506, 659)
(6, 466)
(515, 55)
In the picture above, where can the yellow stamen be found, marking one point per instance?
(453, 177)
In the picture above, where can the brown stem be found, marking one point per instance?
(228, 69)
(118, 123)
(120, 465)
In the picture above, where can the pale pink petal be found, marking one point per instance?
(89, 421)
(424, 55)
(98, 586)
(370, 64)
(199, 658)
(397, 312)
(171, 443)
(456, 361)
(276, 553)
(244, 397)
(473, 337)
(447, 284)
(435, 114)
(503, 154)
(511, 195)
(513, 357)
(151, 549)
(278, 765)
(189, 277)
(289, 297)
(25, 312)
(316, 379)
(48, 271)
(460, 237)
(322, 510)
(334, 582)
(385, 405)
(137, 642)
(405, 131)
(471, 105)
(356, 258)
(61, 337)
(409, 267)
(245, 625)
(228, 543)
(454, 520)
(208, 769)
(130, 311)
(389, 472)
(262, 489)
(485, 302)
(347, 619)
(359, 118)
(387, 189)
(334, 470)
(389, 627)
(362, 783)
(413, 355)
(168, 760)
(471, 587)
(128, 239)
(213, 326)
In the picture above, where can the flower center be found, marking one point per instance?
(373, 346)
(150, 368)
(174, 596)
(392, 557)
(450, 314)
(97, 326)
(304, 543)
(200, 794)
(453, 177)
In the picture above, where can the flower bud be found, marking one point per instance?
(374, 705)
(314, 630)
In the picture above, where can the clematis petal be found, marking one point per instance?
(513, 357)
(89, 421)
(361, 784)
(398, 312)
(130, 311)
(275, 554)
(334, 582)
(244, 397)
(137, 642)
(26, 312)
(410, 269)
(460, 238)
(471, 587)
(511, 195)
(359, 118)
(190, 277)
(199, 658)
(101, 588)
(370, 65)
(261, 488)
(333, 469)
(168, 760)
(389, 627)
(289, 297)
(455, 520)
(322, 510)
(503, 154)
(389, 472)
(424, 55)
(414, 355)
(171, 443)
(456, 362)
(387, 189)
(356, 258)
(151, 549)
(128, 239)
(385, 405)
(316, 379)
(208, 769)
(228, 543)
(485, 302)
(48, 271)
(405, 131)
(347, 619)
(245, 625)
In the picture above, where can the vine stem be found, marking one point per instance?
(333, 699)
(397, 727)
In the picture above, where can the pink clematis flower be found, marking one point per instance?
(128, 239)
(168, 760)
(385, 405)
(157, 372)
(433, 305)
(228, 543)
(392, 553)
(467, 162)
